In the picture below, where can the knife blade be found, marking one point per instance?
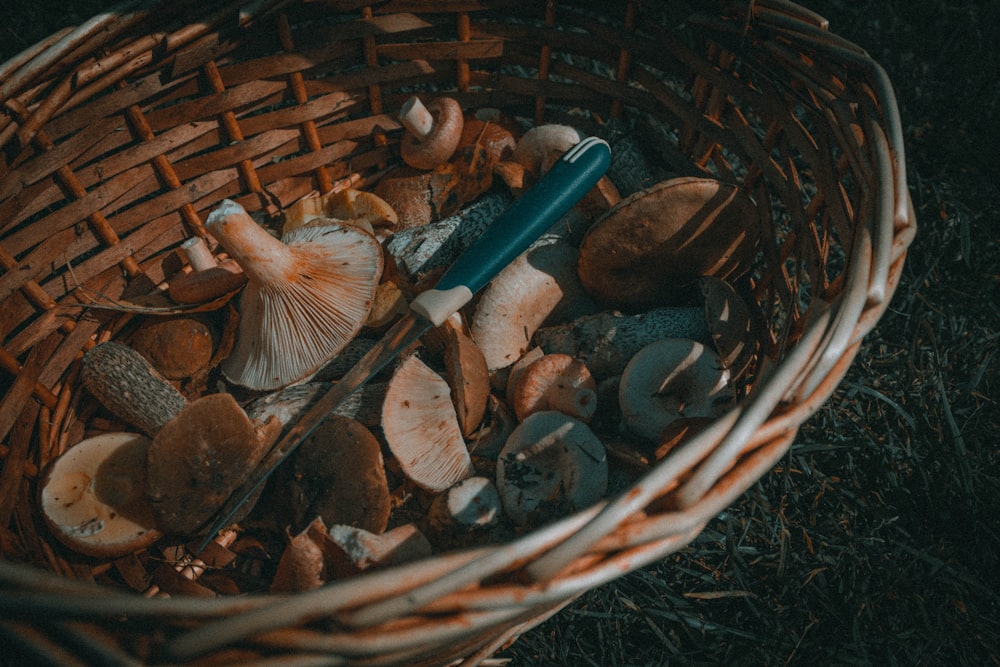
(566, 182)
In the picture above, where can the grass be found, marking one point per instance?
(876, 540)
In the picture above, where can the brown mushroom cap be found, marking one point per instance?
(652, 245)
(349, 205)
(408, 192)
(178, 347)
(670, 379)
(337, 473)
(208, 279)
(93, 496)
(423, 149)
(198, 458)
(421, 428)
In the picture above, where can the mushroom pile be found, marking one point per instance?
(612, 338)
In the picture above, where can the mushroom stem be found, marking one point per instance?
(416, 118)
(263, 258)
(198, 255)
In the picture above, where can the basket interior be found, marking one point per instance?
(116, 149)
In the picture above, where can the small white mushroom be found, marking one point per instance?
(307, 295)
(551, 465)
(93, 496)
(433, 132)
(540, 284)
(470, 505)
(421, 428)
(669, 379)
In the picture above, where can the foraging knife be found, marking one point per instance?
(569, 179)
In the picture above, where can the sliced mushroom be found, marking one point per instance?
(492, 434)
(208, 279)
(357, 550)
(551, 465)
(306, 297)
(433, 131)
(467, 374)
(555, 382)
(421, 428)
(93, 496)
(670, 379)
(303, 564)
(199, 457)
(648, 250)
(539, 284)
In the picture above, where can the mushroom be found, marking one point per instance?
(605, 341)
(539, 148)
(433, 131)
(408, 191)
(208, 279)
(127, 384)
(307, 295)
(356, 550)
(199, 457)
(551, 465)
(349, 206)
(303, 563)
(649, 249)
(467, 506)
(178, 347)
(93, 497)
(467, 374)
(492, 130)
(670, 379)
(541, 283)
(421, 428)
(555, 382)
(497, 426)
(337, 473)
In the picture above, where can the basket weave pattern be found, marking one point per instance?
(120, 136)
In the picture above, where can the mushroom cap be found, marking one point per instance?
(350, 205)
(539, 148)
(307, 295)
(552, 464)
(93, 496)
(197, 459)
(647, 249)
(555, 382)
(438, 146)
(178, 347)
(467, 374)
(338, 474)
(408, 192)
(421, 428)
(669, 379)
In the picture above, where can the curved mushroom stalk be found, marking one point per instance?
(93, 496)
(670, 379)
(540, 284)
(551, 465)
(421, 428)
(306, 297)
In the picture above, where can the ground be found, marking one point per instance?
(874, 541)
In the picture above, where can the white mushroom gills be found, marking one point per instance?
(307, 295)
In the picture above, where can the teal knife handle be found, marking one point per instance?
(569, 179)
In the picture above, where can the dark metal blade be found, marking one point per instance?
(400, 336)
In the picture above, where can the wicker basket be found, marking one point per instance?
(119, 136)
